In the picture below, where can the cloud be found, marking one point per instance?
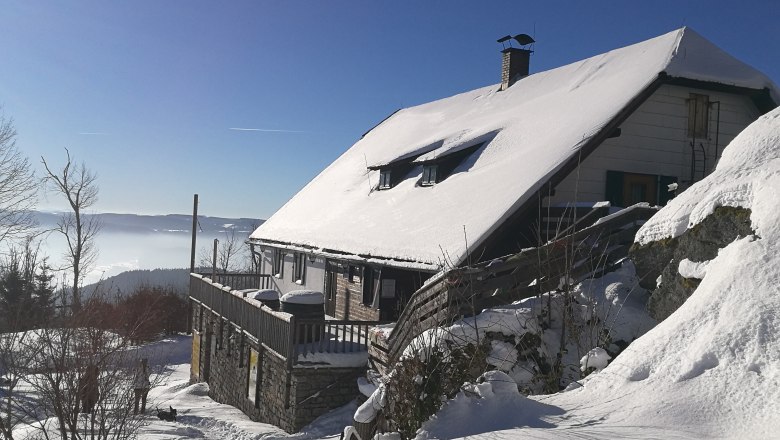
(93, 133)
(265, 130)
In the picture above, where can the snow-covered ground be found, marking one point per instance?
(711, 369)
(199, 417)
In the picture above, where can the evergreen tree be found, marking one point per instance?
(26, 290)
(44, 298)
(15, 297)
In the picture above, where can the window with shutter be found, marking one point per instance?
(698, 116)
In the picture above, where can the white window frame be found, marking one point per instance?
(299, 268)
(278, 263)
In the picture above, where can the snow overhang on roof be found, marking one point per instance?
(534, 128)
(456, 144)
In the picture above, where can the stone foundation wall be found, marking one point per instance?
(288, 399)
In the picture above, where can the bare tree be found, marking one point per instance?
(17, 186)
(84, 378)
(232, 254)
(78, 185)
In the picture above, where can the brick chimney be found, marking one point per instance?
(514, 65)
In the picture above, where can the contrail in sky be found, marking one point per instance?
(93, 133)
(265, 130)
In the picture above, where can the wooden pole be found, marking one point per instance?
(214, 262)
(194, 232)
(192, 259)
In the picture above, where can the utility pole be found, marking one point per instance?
(192, 259)
(194, 232)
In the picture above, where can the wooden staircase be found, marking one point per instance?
(465, 291)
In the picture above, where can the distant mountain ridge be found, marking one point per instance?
(150, 224)
(129, 281)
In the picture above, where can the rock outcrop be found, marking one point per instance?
(659, 260)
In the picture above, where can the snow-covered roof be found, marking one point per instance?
(530, 131)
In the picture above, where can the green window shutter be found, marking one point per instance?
(614, 188)
(663, 189)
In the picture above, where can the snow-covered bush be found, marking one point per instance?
(543, 344)
(427, 377)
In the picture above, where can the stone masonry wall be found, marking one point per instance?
(349, 301)
(225, 365)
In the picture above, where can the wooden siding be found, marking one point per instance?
(349, 295)
(349, 299)
(654, 140)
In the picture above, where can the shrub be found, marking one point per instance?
(420, 384)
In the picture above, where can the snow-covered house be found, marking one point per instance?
(465, 178)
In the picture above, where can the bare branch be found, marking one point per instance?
(17, 186)
(78, 185)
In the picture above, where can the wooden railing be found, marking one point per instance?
(559, 221)
(241, 281)
(315, 336)
(280, 332)
(468, 290)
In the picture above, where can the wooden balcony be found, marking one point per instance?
(284, 334)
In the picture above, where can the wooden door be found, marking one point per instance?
(639, 188)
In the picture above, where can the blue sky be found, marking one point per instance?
(150, 93)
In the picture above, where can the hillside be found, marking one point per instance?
(129, 242)
(128, 281)
(170, 223)
(712, 368)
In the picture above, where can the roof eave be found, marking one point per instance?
(762, 98)
(335, 254)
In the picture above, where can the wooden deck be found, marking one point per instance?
(282, 333)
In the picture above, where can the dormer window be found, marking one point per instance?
(384, 179)
(430, 171)
(392, 175)
(437, 169)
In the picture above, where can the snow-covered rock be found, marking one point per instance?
(693, 269)
(597, 358)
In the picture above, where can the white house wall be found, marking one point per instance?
(654, 140)
(315, 272)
